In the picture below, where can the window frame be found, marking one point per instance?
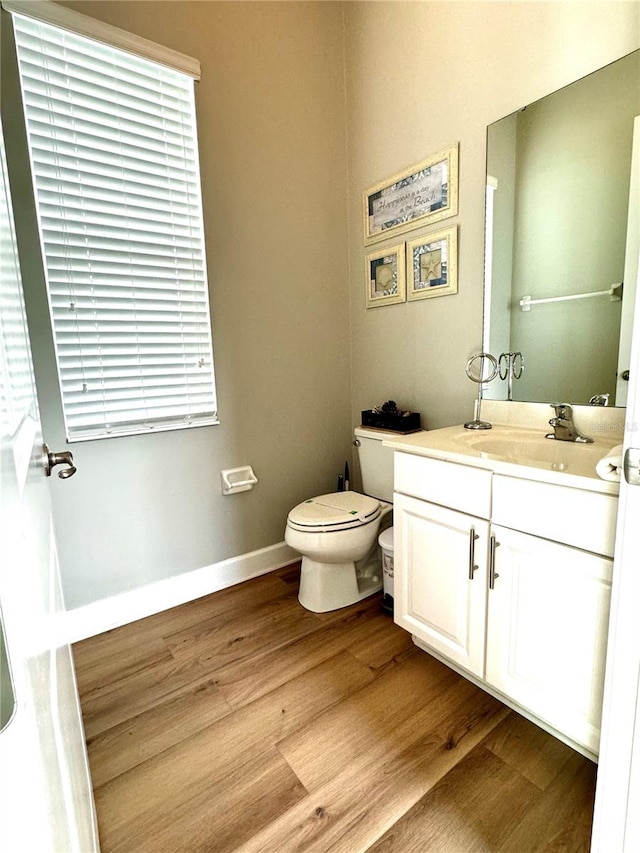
(146, 424)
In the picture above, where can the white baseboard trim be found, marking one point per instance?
(101, 616)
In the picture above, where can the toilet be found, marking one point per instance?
(337, 533)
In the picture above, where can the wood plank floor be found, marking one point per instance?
(242, 722)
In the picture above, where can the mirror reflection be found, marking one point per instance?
(560, 227)
(7, 697)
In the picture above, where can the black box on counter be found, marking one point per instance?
(403, 423)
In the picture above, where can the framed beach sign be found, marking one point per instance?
(384, 277)
(432, 265)
(425, 192)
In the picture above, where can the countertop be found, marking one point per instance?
(515, 452)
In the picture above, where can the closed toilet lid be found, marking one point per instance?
(336, 511)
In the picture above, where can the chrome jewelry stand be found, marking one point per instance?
(510, 367)
(484, 372)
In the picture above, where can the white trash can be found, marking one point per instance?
(385, 540)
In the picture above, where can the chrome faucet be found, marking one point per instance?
(564, 428)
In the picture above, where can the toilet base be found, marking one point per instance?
(330, 586)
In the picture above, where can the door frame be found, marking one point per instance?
(616, 822)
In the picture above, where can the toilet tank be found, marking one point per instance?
(376, 463)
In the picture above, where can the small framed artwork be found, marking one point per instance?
(425, 192)
(432, 264)
(385, 278)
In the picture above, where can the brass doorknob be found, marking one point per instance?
(52, 459)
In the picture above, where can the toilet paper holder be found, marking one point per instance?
(236, 480)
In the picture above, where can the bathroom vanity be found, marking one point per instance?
(503, 561)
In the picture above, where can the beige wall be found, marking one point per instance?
(272, 147)
(420, 77)
(286, 257)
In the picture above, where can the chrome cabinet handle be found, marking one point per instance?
(52, 459)
(492, 562)
(472, 552)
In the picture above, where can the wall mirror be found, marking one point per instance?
(7, 696)
(560, 227)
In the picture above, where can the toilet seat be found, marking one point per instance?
(334, 512)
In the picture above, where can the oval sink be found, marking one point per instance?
(525, 447)
(520, 450)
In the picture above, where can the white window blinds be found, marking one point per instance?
(113, 147)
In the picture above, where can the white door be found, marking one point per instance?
(547, 622)
(46, 801)
(632, 250)
(440, 590)
(617, 816)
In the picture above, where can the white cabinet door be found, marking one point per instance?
(439, 596)
(547, 629)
